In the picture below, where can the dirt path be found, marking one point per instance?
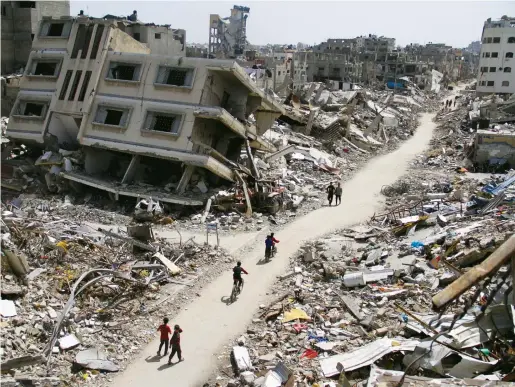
(209, 323)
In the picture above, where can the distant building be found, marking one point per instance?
(20, 25)
(228, 36)
(474, 47)
(496, 63)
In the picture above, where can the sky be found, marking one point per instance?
(456, 23)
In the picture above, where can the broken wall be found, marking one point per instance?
(494, 148)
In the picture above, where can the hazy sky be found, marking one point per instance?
(455, 23)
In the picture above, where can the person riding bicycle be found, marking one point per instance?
(274, 241)
(269, 244)
(236, 274)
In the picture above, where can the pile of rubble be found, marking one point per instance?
(79, 302)
(421, 295)
(356, 308)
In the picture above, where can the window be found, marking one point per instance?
(96, 42)
(497, 40)
(55, 29)
(66, 83)
(112, 116)
(84, 87)
(336, 70)
(278, 73)
(495, 54)
(484, 69)
(31, 37)
(4, 10)
(157, 36)
(483, 83)
(490, 83)
(509, 55)
(75, 85)
(27, 4)
(511, 39)
(492, 69)
(507, 69)
(163, 122)
(44, 68)
(31, 109)
(505, 83)
(321, 68)
(486, 55)
(175, 76)
(225, 100)
(484, 40)
(489, 40)
(124, 71)
(136, 36)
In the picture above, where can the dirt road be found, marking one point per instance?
(209, 323)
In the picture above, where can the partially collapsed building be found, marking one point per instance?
(135, 116)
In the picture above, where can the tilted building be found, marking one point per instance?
(136, 115)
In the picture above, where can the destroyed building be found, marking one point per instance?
(228, 36)
(20, 25)
(134, 115)
(496, 71)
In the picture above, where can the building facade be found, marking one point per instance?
(134, 113)
(19, 25)
(496, 63)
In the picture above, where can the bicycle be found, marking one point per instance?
(236, 290)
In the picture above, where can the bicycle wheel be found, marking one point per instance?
(234, 292)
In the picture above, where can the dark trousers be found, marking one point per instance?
(176, 348)
(330, 199)
(338, 199)
(165, 343)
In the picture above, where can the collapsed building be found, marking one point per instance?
(111, 113)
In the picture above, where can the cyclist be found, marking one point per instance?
(236, 274)
(274, 241)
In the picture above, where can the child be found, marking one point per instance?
(175, 343)
(165, 334)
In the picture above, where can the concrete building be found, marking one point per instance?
(137, 116)
(20, 24)
(496, 63)
(161, 39)
(336, 46)
(228, 36)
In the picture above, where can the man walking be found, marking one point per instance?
(330, 193)
(175, 343)
(338, 193)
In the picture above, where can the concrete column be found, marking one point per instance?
(185, 179)
(131, 170)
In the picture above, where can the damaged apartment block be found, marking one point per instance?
(114, 115)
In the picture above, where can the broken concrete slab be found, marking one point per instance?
(95, 359)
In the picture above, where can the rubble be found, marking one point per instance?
(69, 290)
(421, 295)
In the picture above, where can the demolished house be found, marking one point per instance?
(110, 114)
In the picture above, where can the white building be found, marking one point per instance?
(496, 62)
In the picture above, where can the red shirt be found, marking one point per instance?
(165, 331)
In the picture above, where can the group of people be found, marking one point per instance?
(449, 103)
(175, 341)
(332, 192)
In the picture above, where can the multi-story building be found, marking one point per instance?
(137, 116)
(496, 63)
(228, 36)
(19, 25)
(336, 46)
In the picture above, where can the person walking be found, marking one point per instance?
(338, 194)
(330, 193)
(165, 335)
(175, 343)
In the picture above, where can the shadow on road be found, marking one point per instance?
(165, 366)
(226, 300)
(153, 359)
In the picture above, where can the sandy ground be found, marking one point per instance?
(210, 322)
